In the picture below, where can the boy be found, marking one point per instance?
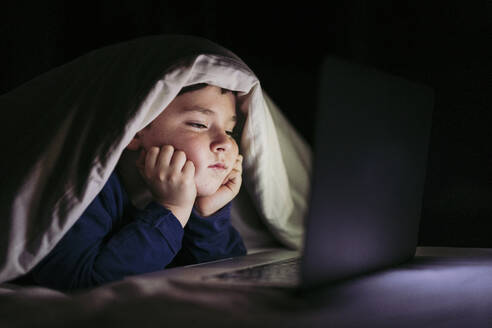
(190, 163)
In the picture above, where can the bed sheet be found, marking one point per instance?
(440, 287)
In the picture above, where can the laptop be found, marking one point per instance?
(370, 156)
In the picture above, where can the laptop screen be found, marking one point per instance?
(370, 158)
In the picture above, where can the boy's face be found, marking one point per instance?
(200, 123)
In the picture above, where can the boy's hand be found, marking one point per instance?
(170, 178)
(208, 205)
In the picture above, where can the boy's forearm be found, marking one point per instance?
(210, 238)
(89, 258)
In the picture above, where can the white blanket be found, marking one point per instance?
(65, 132)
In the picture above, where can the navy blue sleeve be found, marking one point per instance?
(209, 238)
(102, 247)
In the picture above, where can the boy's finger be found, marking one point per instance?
(239, 165)
(231, 176)
(189, 169)
(178, 161)
(150, 159)
(165, 157)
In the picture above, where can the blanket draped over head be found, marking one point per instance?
(65, 131)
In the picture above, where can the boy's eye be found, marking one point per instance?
(203, 126)
(197, 125)
(233, 134)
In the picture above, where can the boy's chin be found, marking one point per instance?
(206, 191)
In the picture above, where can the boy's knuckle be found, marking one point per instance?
(168, 148)
(173, 179)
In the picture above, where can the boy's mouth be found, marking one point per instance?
(218, 166)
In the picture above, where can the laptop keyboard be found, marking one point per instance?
(284, 272)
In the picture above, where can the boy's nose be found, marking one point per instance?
(221, 142)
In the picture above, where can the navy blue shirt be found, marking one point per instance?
(113, 239)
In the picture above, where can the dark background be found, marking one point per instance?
(443, 44)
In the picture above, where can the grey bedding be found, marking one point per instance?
(441, 287)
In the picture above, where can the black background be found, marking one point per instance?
(443, 44)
